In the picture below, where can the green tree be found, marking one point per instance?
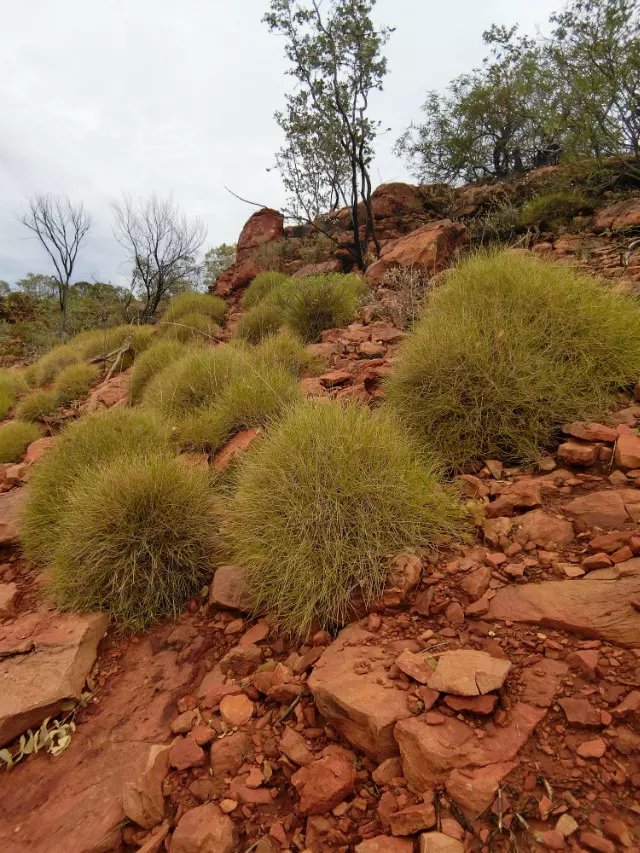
(37, 285)
(217, 260)
(335, 55)
(595, 49)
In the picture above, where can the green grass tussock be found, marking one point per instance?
(15, 437)
(262, 320)
(260, 287)
(37, 406)
(552, 210)
(254, 399)
(103, 342)
(12, 385)
(320, 302)
(323, 503)
(192, 327)
(74, 382)
(195, 303)
(47, 368)
(287, 350)
(508, 349)
(194, 381)
(136, 540)
(83, 445)
(160, 354)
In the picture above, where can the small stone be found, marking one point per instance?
(588, 431)
(326, 781)
(438, 842)
(580, 711)
(8, 593)
(204, 829)
(236, 710)
(627, 453)
(473, 704)
(414, 665)
(294, 746)
(185, 753)
(385, 844)
(228, 806)
(241, 660)
(388, 770)
(618, 831)
(566, 825)
(552, 839)
(466, 672)
(592, 749)
(596, 842)
(578, 453)
(412, 819)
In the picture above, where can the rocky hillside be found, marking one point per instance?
(488, 699)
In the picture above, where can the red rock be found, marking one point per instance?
(385, 844)
(566, 825)
(185, 753)
(580, 711)
(45, 658)
(454, 614)
(235, 447)
(204, 829)
(294, 746)
(596, 561)
(142, 798)
(227, 589)
(578, 453)
(552, 839)
(228, 754)
(362, 707)
(599, 509)
(412, 819)
(241, 660)
(438, 842)
(584, 661)
(596, 842)
(472, 704)
(523, 494)
(627, 452)
(236, 710)
(256, 634)
(404, 573)
(389, 769)
(415, 666)
(591, 608)
(112, 392)
(620, 215)
(474, 789)
(466, 672)
(11, 505)
(37, 449)
(335, 378)
(541, 681)
(588, 431)
(326, 781)
(428, 248)
(629, 705)
(476, 583)
(8, 594)
(395, 199)
(617, 830)
(317, 269)
(263, 226)
(154, 842)
(544, 529)
(592, 748)
(496, 530)
(430, 753)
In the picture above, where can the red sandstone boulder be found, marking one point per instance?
(395, 199)
(544, 529)
(204, 829)
(429, 248)
(618, 216)
(600, 509)
(263, 226)
(627, 454)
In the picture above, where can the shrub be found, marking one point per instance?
(37, 406)
(551, 210)
(81, 446)
(262, 320)
(319, 302)
(251, 400)
(194, 381)
(287, 350)
(151, 362)
(508, 349)
(195, 303)
(74, 382)
(261, 286)
(402, 295)
(192, 327)
(136, 540)
(15, 437)
(47, 368)
(316, 248)
(274, 254)
(323, 503)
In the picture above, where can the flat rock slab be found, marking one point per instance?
(600, 608)
(44, 660)
(466, 672)
(11, 504)
(436, 754)
(354, 693)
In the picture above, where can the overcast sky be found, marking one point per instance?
(177, 97)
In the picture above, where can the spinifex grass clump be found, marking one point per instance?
(551, 210)
(15, 437)
(320, 302)
(37, 406)
(194, 381)
(287, 350)
(82, 446)
(74, 382)
(47, 368)
(253, 399)
(262, 320)
(192, 327)
(261, 286)
(107, 342)
(151, 362)
(509, 349)
(12, 385)
(323, 503)
(135, 541)
(195, 303)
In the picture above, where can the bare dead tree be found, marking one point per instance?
(162, 245)
(60, 226)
